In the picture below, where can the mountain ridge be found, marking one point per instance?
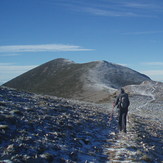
(92, 81)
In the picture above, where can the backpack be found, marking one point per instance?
(124, 101)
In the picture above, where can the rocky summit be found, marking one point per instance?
(46, 129)
(92, 82)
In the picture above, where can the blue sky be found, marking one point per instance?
(127, 32)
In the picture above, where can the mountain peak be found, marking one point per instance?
(91, 81)
(63, 60)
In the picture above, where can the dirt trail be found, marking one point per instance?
(138, 145)
(144, 139)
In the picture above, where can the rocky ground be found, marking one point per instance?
(43, 129)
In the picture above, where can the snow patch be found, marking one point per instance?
(97, 77)
(68, 61)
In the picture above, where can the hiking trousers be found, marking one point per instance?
(122, 120)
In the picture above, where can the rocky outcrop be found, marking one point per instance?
(45, 129)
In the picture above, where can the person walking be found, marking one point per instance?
(122, 102)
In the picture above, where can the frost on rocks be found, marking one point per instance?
(35, 128)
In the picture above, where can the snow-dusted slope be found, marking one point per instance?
(146, 100)
(148, 88)
(93, 81)
(44, 129)
(109, 77)
(106, 74)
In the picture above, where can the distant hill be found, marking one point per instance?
(148, 88)
(93, 81)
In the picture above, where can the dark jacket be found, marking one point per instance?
(118, 101)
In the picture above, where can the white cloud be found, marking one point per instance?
(9, 71)
(40, 48)
(154, 71)
(154, 74)
(10, 54)
(6, 64)
(141, 5)
(105, 12)
(14, 69)
(153, 63)
(114, 8)
(143, 33)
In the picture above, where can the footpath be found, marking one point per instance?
(142, 143)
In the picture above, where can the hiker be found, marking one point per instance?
(122, 102)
